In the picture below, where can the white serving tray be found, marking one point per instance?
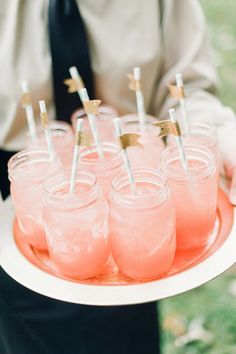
(36, 279)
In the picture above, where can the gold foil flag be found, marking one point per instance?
(74, 85)
(176, 92)
(25, 99)
(131, 139)
(82, 138)
(91, 106)
(168, 127)
(134, 85)
(44, 119)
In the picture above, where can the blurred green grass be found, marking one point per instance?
(215, 302)
(220, 16)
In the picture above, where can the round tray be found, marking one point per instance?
(35, 270)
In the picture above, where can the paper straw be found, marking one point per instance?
(140, 100)
(76, 156)
(29, 112)
(93, 125)
(232, 191)
(76, 76)
(183, 157)
(83, 94)
(184, 120)
(125, 155)
(47, 132)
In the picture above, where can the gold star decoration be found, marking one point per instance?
(134, 85)
(91, 106)
(168, 127)
(176, 92)
(74, 85)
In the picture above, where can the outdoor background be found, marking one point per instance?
(208, 314)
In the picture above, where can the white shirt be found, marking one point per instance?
(121, 34)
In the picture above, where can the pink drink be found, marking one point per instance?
(104, 122)
(76, 226)
(28, 170)
(104, 168)
(62, 138)
(142, 226)
(149, 155)
(194, 195)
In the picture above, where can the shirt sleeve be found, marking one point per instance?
(186, 49)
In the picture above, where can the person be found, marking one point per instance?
(104, 39)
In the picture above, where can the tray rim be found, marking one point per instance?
(46, 284)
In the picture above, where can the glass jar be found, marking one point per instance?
(104, 168)
(149, 155)
(104, 122)
(201, 134)
(62, 139)
(76, 225)
(194, 194)
(142, 225)
(28, 169)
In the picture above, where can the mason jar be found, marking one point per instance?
(194, 193)
(104, 122)
(201, 134)
(62, 140)
(28, 169)
(76, 225)
(142, 224)
(152, 145)
(104, 168)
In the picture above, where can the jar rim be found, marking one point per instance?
(54, 124)
(106, 145)
(61, 180)
(195, 128)
(57, 128)
(176, 172)
(209, 125)
(133, 118)
(104, 112)
(19, 160)
(137, 173)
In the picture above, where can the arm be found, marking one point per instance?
(186, 50)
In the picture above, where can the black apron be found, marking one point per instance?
(34, 324)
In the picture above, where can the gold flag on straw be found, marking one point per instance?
(134, 85)
(26, 99)
(44, 119)
(82, 138)
(91, 106)
(74, 85)
(131, 139)
(176, 92)
(168, 127)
